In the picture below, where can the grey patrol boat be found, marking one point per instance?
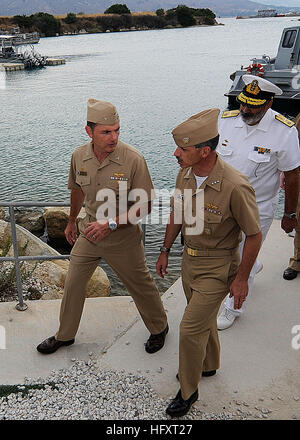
(283, 71)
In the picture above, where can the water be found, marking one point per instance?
(155, 78)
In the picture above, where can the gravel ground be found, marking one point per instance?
(83, 392)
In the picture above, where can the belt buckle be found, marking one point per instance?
(192, 252)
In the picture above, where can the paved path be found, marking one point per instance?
(259, 367)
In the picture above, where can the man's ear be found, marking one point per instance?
(89, 131)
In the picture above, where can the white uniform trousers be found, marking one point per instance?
(266, 212)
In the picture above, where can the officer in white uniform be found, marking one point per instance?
(260, 143)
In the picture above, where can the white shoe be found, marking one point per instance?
(225, 319)
(260, 268)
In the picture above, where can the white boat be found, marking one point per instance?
(21, 39)
(282, 70)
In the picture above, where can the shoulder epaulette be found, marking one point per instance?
(285, 120)
(230, 114)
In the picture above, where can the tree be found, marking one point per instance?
(46, 24)
(185, 16)
(23, 21)
(118, 9)
(160, 12)
(70, 18)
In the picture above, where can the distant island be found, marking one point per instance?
(116, 18)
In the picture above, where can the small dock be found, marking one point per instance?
(55, 61)
(12, 67)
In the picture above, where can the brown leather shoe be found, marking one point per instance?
(156, 342)
(289, 274)
(51, 344)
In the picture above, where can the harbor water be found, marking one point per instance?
(155, 78)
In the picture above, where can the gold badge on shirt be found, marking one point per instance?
(210, 207)
(119, 176)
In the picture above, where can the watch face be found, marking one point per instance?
(113, 225)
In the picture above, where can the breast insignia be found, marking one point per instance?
(230, 114)
(284, 120)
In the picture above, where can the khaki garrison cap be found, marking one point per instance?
(197, 129)
(101, 112)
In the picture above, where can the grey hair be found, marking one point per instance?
(212, 143)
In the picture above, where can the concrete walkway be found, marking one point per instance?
(259, 368)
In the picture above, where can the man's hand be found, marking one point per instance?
(239, 290)
(288, 224)
(71, 232)
(162, 264)
(96, 231)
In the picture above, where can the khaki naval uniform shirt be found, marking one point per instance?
(123, 168)
(229, 207)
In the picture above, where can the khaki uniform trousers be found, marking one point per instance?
(206, 281)
(124, 252)
(295, 261)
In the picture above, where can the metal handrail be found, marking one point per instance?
(17, 258)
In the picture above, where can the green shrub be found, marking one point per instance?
(70, 18)
(117, 9)
(160, 12)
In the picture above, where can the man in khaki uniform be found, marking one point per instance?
(210, 264)
(291, 272)
(107, 167)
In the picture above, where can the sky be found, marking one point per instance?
(279, 2)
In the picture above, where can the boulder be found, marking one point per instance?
(51, 274)
(56, 219)
(33, 221)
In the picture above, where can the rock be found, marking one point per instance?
(52, 274)
(33, 221)
(2, 213)
(56, 220)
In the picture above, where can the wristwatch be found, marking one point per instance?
(292, 215)
(164, 249)
(112, 224)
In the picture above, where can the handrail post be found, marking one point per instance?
(21, 305)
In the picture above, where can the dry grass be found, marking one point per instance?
(100, 14)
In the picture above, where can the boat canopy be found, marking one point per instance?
(289, 49)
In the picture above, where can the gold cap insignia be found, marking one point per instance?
(186, 140)
(253, 88)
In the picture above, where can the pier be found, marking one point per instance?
(259, 361)
(12, 67)
(55, 61)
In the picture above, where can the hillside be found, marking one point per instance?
(220, 7)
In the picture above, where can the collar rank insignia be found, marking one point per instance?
(262, 150)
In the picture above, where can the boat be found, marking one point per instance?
(282, 70)
(20, 39)
(9, 53)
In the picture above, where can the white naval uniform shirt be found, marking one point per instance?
(262, 153)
